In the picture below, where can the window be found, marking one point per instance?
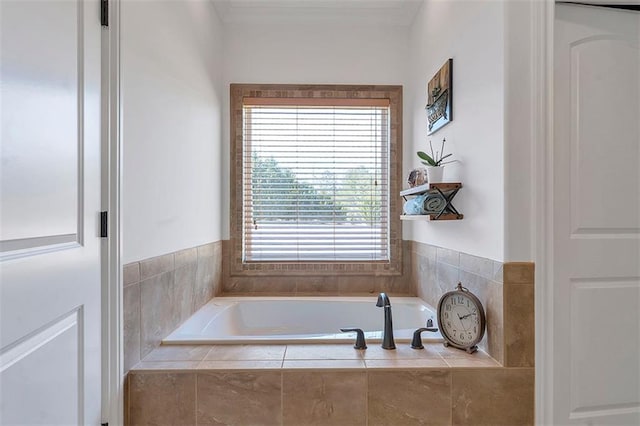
(315, 177)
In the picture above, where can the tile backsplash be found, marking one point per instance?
(162, 292)
(437, 270)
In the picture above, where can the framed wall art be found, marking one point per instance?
(440, 97)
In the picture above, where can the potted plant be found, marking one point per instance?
(435, 162)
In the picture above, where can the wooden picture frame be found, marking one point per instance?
(440, 98)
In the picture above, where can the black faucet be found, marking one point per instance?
(387, 336)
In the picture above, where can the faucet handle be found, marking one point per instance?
(383, 300)
(360, 343)
(416, 343)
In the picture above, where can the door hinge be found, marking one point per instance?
(104, 13)
(104, 221)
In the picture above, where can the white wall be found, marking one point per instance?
(470, 32)
(171, 94)
(309, 53)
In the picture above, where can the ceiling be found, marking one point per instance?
(373, 12)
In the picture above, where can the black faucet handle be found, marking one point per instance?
(416, 342)
(360, 343)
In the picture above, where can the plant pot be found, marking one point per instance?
(434, 174)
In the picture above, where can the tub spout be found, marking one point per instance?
(387, 336)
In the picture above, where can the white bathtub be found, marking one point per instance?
(228, 320)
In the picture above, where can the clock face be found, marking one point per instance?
(461, 319)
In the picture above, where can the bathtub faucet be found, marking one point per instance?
(387, 336)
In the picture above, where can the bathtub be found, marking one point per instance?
(287, 320)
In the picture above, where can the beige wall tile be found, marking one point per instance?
(450, 257)
(130, 273)
(395, 364)
(273, 284)
(472, 363)
(425, 250)
(241, 365)
(217, 268)
(162, 398)
(315, 285)
(477, 265)
(490, 294)
(498, 272)
(179, 353)
(156, 265)
(246, 352)
(494, 309)
(494, 397)
(160, 366)
(185, 257)
(451, 352)
(237, 285)
(354, 284)
(206, 250)
(324, 364)
(519, 326)
(322, 352)
(402, 351)
(205, 281)
(447, 278)
(239, 398)
(409, 397)
(324, 398)
(397, 285)
(184, 288)
(519, 273)
(131, 325)
(426, 280)
(158, 315)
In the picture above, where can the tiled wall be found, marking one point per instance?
(162, 292)
(308, 284)
(460, 396)
(334, 389)
(437, 270)
(519, 315)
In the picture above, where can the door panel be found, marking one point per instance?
(50, 202)
(596, 219)
(41, 74)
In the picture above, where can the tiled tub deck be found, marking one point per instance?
(326, 384)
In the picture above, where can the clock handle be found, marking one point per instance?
(416, 343)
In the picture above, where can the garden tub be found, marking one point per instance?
(289, 320)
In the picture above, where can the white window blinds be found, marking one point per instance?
(315, 180)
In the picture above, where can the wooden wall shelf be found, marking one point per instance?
(447, 190)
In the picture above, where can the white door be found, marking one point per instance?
(596, 217)
(49, 212)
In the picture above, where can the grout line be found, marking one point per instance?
(451, 397)
(196, 404)
(282, 396)
(366, 397)
(139, 321)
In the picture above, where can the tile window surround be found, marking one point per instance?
(162, 292)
